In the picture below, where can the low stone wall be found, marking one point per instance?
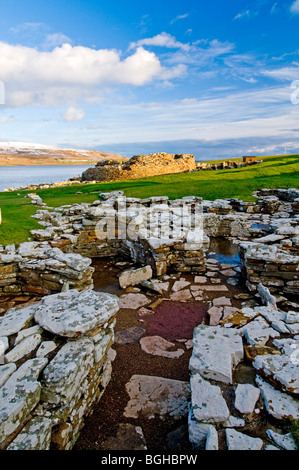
(40, 268)
(271, 266)
(146, 231)
(140, 166)
(54, 368)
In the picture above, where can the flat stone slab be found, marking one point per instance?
(179, 285)
(181, 296)
(280, 369)
(278, 404)
(6, 371)
(221, 302)
(132, 277)
(15, 320)
(19, 395)
(73, 314)
(128, 437)
(133, 301)
(36, 435)
(208, 404)
(129, 336)
(24, 348)
(63, 375)
(152, 396)
(216, 351)
(239, 441)
(246, 396)
(158, 346)
(285, 441)
(258, 332)
(216, 288)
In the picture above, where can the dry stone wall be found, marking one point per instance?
(54, 368)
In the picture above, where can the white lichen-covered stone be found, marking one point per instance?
(46, 348)
(36, 435)
(157, 397)
(246, 396)
(28, 332)
(208, 404)
(258, 332)
(4, 345)
(278, 404)
(63, 375)
(285, 441)
(6, 371)
(19, 396)
(216, 351)
(135, 276)
(239, 441)
(280, 369)
(25, 347)
(15, 320)
(74, 313)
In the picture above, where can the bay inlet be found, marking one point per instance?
(17, 176)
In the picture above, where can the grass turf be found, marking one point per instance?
(275, 172)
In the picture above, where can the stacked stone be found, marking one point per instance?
(38, 268)
(270, 266)
(54, 369)
(140, 166)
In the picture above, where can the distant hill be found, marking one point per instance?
(24, 154)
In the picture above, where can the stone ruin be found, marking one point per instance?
(56, 367)
(140, 166)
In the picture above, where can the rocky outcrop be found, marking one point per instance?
(140, 166)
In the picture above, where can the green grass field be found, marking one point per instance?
(275, 172)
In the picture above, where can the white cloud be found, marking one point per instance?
(179, 17)
(73, 115)
(295, 7)
(29, 27)
(243, 14)
(161, 40)
(69, 72)
(57, 39)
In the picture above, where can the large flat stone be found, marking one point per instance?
(135, 276)
(278, 404)
(280, 369)
(246, 396)
(239, 441)
(152, 396)
(216, 351)
(208, 404)
(133, 301)
(74, 313)
(158, 346)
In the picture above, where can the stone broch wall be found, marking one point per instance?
(56, 368)
(140, 167)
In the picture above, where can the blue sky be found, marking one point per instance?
(216, 79)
